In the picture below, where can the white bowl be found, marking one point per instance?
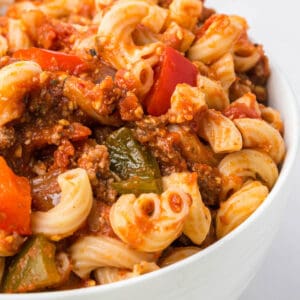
(223, 270)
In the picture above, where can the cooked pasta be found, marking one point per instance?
(238, 207)
(133, 134)
(224, 71)
(221, 133)
(15, 81)
(249, 163)
(150, 222)
(257, 133)
(107, 275)
(186, 102)
(92, 252)
(215, 96)
(197, 223)
(17, 36)
(178, 254)
(72, 210)
(185, 12)
(214, 43)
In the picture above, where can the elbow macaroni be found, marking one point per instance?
(186, 102)
(259, 134)
(249, 163)
(150, 222)
(197, 223)
(220, 132)
(107, 275)
(72, 210)
(116, 45)
(16, 80)
(92, 252)
(178, 254)
(214, 43)
(239, 207)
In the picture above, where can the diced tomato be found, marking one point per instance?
(52, 60)
(240, 110)
(174, 69)
(15, 201)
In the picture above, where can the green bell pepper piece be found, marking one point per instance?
(33, 268)
(134, 163)
(129, 158)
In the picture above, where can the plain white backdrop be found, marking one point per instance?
(276, 24)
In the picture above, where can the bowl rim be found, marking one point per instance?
(287, 169)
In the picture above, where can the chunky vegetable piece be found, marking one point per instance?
(34, 268)
(52, 60)
(174, 69)
(15, 201)
(133, 163)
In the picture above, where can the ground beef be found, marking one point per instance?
(209, 181)
(94, 159)
(260, 73)
(243, 85)
(7, 137)
(164, 145)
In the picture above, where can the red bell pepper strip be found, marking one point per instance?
(15, 201)
(52, 60)
(174, 69)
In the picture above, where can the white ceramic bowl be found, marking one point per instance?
(223, 270)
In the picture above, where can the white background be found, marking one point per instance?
(276, 24)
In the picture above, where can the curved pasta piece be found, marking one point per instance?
(224, 71)
(220, 132)
(220, 32)
(215, 95)
(230, 184)
(115, 35)
(239, 207)
(16, 80)
(250, 163)
(183, 38)
(271, 116)
(197, 223)
(185, 12)
(259, 134)
(245, 63)
(186, 102)
(116, 45)
(72, 210)
(60, 8)
(150, 222)
(107, 275)
(178, 254)
(92, 252)
(17, 36)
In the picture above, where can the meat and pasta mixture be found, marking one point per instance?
(133, 133)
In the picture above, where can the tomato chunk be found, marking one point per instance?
(15, 201)
(174, 69)
(52, 60)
